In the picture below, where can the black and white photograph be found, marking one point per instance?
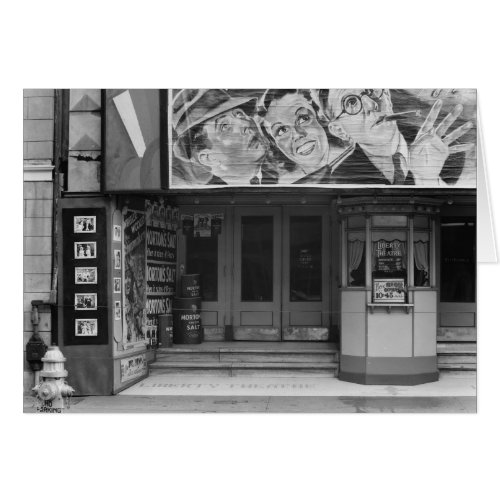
(86, 327)
(117, 259)
(85, 275)
(85, 249)
(84, 224)
(85, 301)
(118, 310)
(117, 233)
(339, 246)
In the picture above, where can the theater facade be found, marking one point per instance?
(339, 217)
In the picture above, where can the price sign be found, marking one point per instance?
(389, 290)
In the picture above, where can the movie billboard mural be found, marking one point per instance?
(404, 138)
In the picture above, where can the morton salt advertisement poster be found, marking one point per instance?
(161, 244)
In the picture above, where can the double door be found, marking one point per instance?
(272, 269)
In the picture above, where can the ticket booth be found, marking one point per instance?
(389, 293)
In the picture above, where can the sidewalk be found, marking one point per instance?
(453, 393)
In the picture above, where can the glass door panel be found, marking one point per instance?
(257, 258)
(256, 308)
(306, 277)
(305, 259)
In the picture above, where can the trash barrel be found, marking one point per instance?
(190, 285)
(187, 320)
(166, 330)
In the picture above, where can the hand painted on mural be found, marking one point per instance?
(432, 146)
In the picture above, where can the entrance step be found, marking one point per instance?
(329, 370)
(457, 356)
(233, 359)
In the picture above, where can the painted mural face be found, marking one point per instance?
(357, 112)
(293, 124)
(236, 146)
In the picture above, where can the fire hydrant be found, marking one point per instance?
(53, 393)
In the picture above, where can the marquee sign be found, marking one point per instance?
(219, 138)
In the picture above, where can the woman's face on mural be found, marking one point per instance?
(357, 114)
(236, 146)
(294, 126)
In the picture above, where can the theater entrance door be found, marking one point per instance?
(281, 273)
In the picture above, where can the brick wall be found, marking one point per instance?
(38, 114)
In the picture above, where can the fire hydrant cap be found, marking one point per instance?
(54, 355)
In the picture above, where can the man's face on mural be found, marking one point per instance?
(236, 146)
(294, 126)
(355, 113)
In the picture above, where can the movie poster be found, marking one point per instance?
(134, 234)
(404, 138)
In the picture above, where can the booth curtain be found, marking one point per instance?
(355, 252)
(421, 256)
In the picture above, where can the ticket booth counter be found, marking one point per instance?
(388, 290)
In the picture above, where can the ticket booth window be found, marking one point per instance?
(389, 259)
(390, 251)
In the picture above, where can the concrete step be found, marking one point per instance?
(249, 356)
(253, 369)
(457, 356)
(456, 347)
(457, 367)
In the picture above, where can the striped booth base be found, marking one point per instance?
(388, 370)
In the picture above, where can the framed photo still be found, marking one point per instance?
(86, 301)
(85, 275)
(118, 310)
(86, 327)
(85, 249)
(117, 259)
(84, 224)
